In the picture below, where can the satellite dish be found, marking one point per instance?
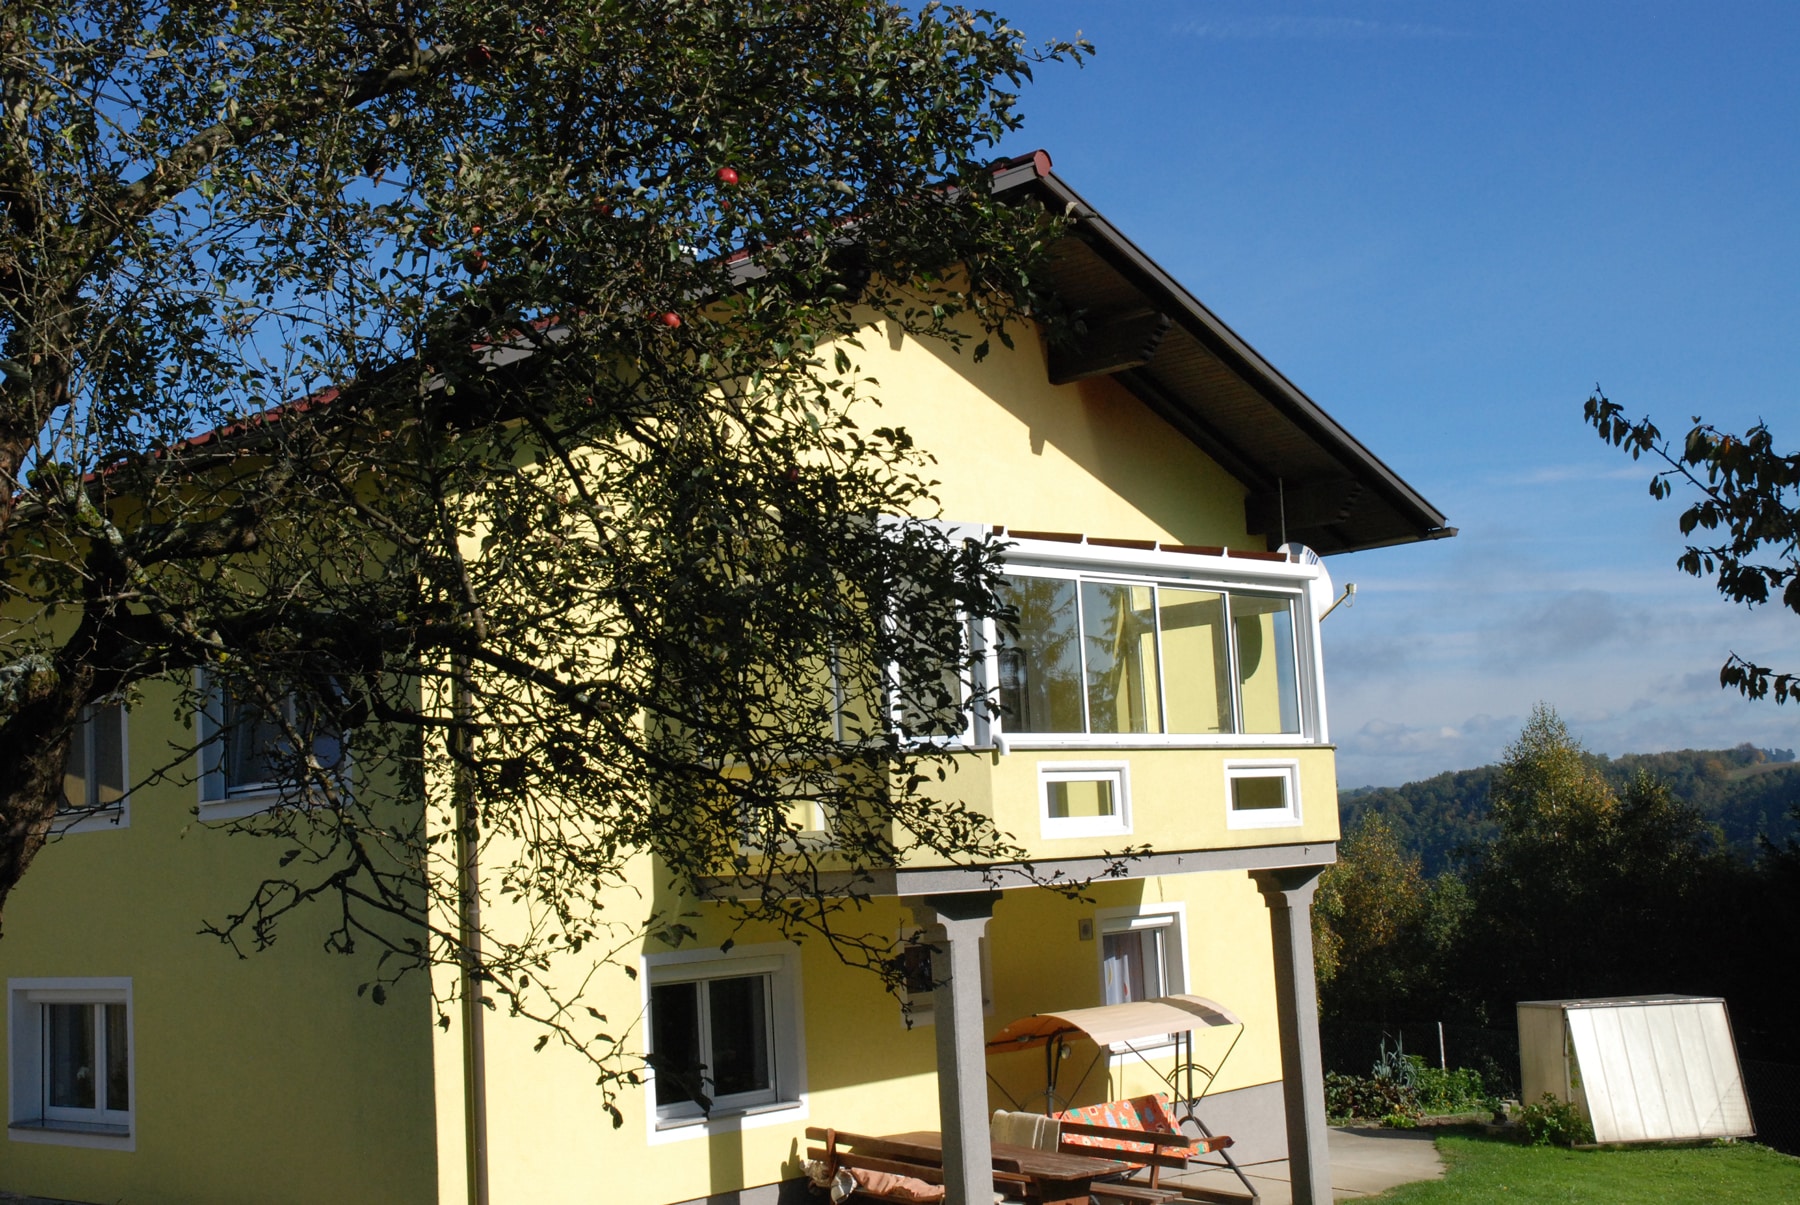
(1301, 553)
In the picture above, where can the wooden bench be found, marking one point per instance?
(1130, 1194)
(875, 1154)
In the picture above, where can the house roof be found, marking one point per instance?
(1309, 479)
(1307, 475)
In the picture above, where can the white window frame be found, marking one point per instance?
(1118, 773)
(1171, 919)
(219, 800)
(1287, 769)
(1307, 585)
(977, 731)
(816, 837)
(91, 815)
(28, 1113)
(780, 961)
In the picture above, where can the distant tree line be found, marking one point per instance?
(1749, 793)
(1574, 876)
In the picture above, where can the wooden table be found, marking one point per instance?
(1056, 1178)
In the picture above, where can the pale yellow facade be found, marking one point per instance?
(266, 1079)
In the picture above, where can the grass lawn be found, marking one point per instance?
(1481, 1169)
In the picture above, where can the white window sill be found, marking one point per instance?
(237, 807)
(1152, 740)
(96, 1135)
(699, 1121)
(1281, 820)
(91, 820)
(252, 803)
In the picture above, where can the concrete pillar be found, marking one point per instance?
(1288, 892)
(954, 926)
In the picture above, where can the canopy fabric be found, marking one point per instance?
(1116, 1022)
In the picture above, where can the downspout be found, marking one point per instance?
(468, 917)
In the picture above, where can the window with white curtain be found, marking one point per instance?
(71, 1061)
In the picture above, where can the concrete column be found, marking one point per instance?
(1288, 892)
(954, 926)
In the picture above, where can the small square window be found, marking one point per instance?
(1262, 794)
(1088, 799)
(71, 1062)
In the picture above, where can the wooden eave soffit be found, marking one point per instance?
(1304, 505)
(1110, 346)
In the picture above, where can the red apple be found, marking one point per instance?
(671, 320)
(728, 175)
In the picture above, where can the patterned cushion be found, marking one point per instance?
(1139, 1113)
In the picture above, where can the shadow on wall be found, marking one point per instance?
(1111, 435)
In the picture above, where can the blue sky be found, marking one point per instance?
(1446, 222)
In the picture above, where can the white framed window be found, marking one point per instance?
(799, 822)
(1116, 656)
(1084, 799)
(1262, 793)
(94, 777)
(947, 707)
(246, 755)
(725, 1041)
(71, 1062)
(1143, 955)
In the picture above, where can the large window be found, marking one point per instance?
(1114, 657)
(94, 775)
(724, 1036)
(71, 1061)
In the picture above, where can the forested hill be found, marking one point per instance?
(1746, 791)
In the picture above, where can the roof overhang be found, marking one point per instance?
(1307, 477)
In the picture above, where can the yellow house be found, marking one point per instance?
(1165, 491)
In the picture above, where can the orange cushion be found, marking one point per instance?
(1149, 1113)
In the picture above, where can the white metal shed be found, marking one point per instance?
(1640, 1068)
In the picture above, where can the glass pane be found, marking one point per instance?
(675, 1041)
(107, 726)
(1264, 628)
(253, 739)
(327, 747)
(1152, 942)
(1040, 667)
(118, 1059)
(931, 704)
(1122, 967)
(69, 1029)
(740, 1034)
(1258, 793)
(1088, 798)
(1196, 682)
(75, 769)
(1121, 658)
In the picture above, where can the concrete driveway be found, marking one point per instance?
(1363, 1162)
